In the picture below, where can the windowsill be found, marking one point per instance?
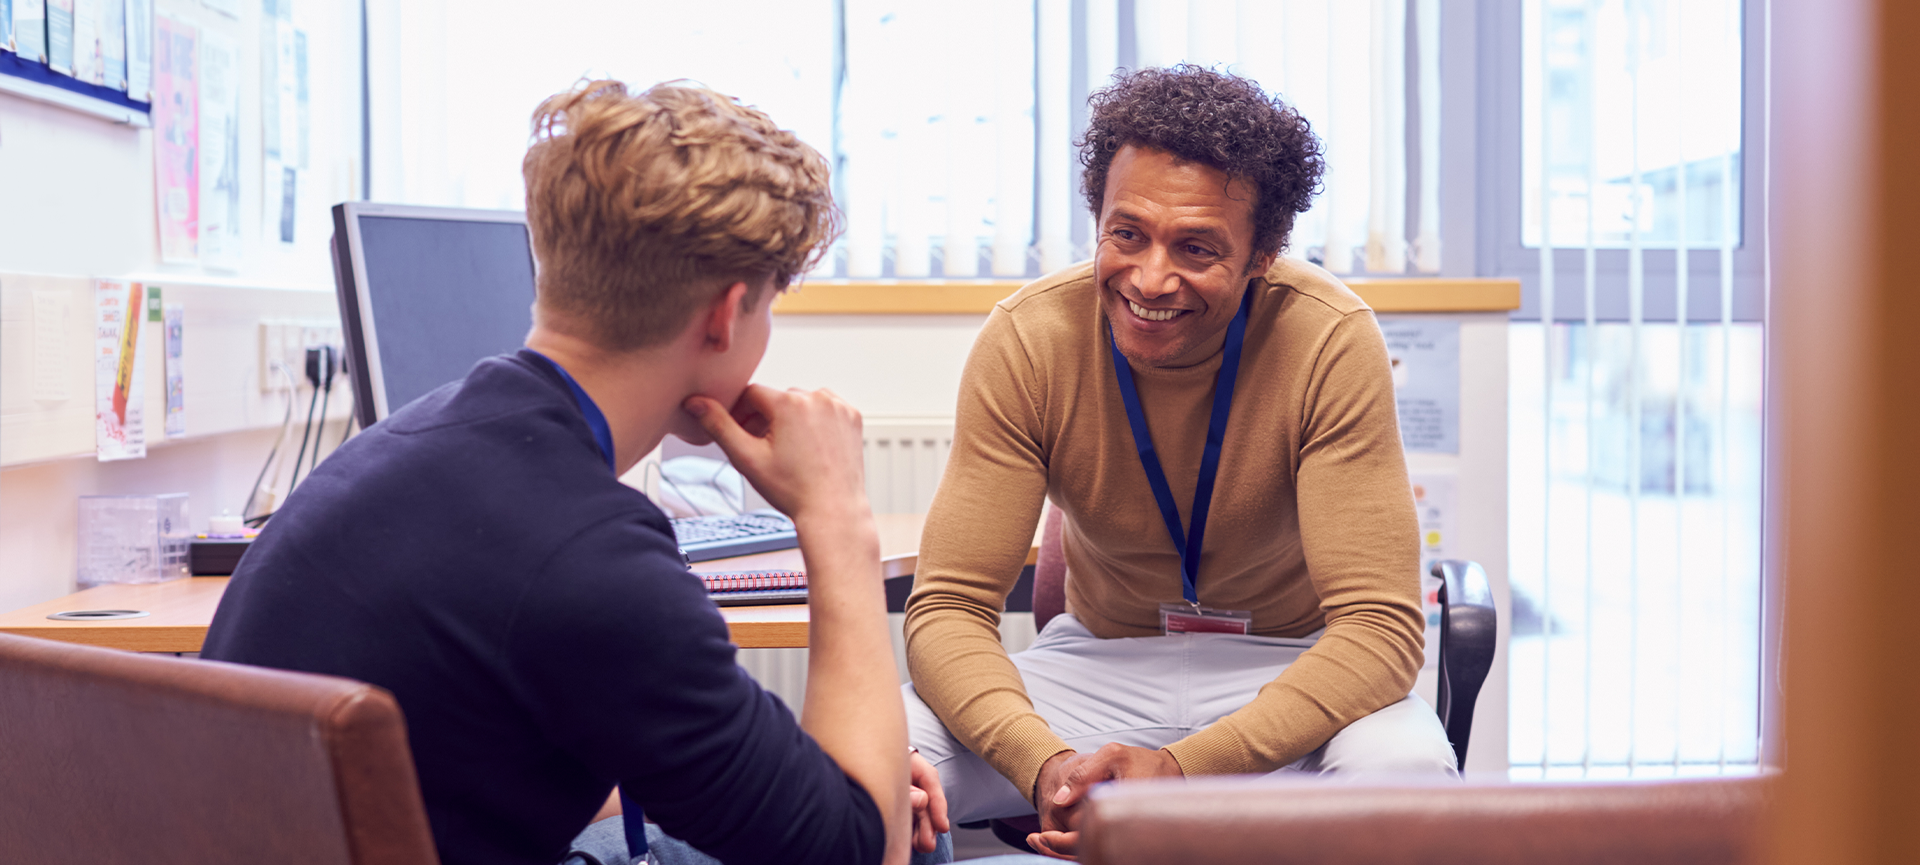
(977, 297)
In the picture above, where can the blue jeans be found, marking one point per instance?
(605, 843)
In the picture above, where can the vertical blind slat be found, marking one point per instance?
(1054, 107)
(1729, 227)
(1636, 297)
(1547, 298)
(1590, 284)
(1677, 89)
(1427, 241)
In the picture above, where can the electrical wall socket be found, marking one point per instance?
(287, 341)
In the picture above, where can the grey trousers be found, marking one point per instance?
(1150, 692)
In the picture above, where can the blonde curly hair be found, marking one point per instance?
(643, 206)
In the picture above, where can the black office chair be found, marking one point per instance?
(1468, 633)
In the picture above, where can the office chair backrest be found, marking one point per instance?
(107, 756)
(1049, 571)
(1469, 633)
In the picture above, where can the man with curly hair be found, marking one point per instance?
(1217, 426)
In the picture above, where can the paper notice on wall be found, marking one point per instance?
(113, 44)
(50, 345)
(270, 83)
(175, 318)
(140, 50)
(219, 152)
(1425, 353)
(1433, 501)
(60, 36)
(86, 40)
(176, 140)
(30, 29)
(119, 428)
(302, 104)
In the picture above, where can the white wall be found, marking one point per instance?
(887, 366)
(77, 202)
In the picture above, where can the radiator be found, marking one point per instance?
(905, 456)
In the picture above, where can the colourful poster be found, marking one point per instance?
(118, 371)
(1433, 502)
(176, 139)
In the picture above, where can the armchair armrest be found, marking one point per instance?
(1271, 820)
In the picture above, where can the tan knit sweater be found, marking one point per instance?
(1312, 522)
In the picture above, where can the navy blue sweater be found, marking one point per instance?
(474, 555)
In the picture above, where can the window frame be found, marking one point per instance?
(1498, 250)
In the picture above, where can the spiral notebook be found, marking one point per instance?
(741, 588)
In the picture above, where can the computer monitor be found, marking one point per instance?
(426, 292)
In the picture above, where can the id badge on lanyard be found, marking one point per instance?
(1195, 619)
(1190, 617)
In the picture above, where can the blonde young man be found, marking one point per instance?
(476, 555)
(1217, 425)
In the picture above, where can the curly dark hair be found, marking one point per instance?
(1214, 119)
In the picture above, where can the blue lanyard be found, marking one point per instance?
(1188, 544)
(596, 421)
(631, 818)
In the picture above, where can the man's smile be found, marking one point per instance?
(1153, 314)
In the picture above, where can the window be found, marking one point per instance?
(1635, 404)
(950, 126)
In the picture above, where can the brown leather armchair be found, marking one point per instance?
(1266, 820)
(107, 756)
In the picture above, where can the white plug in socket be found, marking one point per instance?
(273, 347)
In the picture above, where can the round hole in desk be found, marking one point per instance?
(98, 615)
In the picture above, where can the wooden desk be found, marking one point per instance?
(181, 610)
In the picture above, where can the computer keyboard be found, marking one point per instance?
(717, 537)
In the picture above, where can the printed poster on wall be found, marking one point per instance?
(30, 29)
(175, 317)
(113, 44)
(283, 117)
(6, 25)
(1433, 502)
(1425, 353)
(118, 370)
(60, 36)
(86, 40)
(176, 140)
(140, 50)
(219, 152)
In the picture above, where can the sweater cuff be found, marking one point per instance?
(1216, 750)
(1022, 748)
